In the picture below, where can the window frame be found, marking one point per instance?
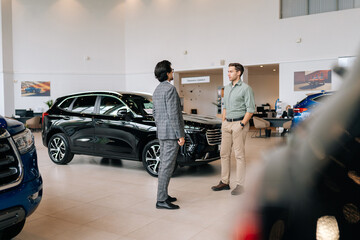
(70, 106)
(98, 101)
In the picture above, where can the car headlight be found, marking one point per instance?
(192, 129)
(24, 141)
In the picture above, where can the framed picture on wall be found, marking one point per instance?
(312, 80)
(35, 89)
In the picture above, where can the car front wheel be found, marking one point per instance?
(151, 158)
(59, 150)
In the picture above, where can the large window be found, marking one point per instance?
(293, 8)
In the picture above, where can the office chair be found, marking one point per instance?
(260, 123)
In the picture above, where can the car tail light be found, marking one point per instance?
(248, 229)
(300, 110)
(43, 115)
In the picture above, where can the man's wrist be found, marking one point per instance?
(242, 124)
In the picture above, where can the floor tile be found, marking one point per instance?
(96, 198)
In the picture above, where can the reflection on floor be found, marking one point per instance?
(95, 198)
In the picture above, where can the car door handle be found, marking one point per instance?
(66, 118)
(99, 122)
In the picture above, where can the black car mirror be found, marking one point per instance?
(122, 113)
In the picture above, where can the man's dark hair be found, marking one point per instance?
(162, 69)
(238, 67)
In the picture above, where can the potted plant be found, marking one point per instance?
(49, 103)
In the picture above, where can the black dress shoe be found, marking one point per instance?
(171, 199)
(166, 205)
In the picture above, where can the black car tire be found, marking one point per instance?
(11, 232)
(151, 158)
(59, 150)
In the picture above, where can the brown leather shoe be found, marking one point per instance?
(221, 186)
(238, 190)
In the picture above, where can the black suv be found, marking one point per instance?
(120, 125)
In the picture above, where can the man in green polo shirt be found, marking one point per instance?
(239, 106)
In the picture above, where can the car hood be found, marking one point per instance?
(11, 125)
(201, 120)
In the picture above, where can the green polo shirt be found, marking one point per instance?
(238, 100)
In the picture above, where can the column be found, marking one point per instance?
(7, 101)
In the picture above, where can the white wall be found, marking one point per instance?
(125, 39)
(77, 45)
(246, 31)
(62, 84)
(249, 32)
(201, 96)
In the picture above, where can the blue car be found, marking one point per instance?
(20, 179)
(32, 90)
(303, 109)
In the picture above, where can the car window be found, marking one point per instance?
(138, 104)
(84, 104)
(110, 106)
(66, 104)
(321, 98)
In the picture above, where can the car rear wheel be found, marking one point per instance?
(59, 150)
(151, 158)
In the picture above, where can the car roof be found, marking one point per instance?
(118, 93)
(319, 93)
(143, 94)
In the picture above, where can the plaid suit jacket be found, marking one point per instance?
(167, 112)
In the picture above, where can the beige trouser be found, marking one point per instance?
(233, 138)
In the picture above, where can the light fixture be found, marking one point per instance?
(261, 66)
(274, 70)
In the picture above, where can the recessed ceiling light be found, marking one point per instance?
(274, 70)
(261, 66)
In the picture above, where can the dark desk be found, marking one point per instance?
(277, 122)
(22, 119)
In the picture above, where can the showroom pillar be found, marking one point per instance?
(7, 104)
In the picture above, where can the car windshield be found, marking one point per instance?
(139, 104)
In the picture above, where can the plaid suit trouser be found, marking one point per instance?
(168, 153)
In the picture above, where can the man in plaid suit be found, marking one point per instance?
(170, 130)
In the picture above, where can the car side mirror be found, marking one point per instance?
(122, 113)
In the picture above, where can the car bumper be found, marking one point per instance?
(11, 216)
(188, 158)
(26, 196)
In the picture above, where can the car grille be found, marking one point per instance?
(11, 172)
(213, 136)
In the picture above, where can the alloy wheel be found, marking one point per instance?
(57, 149)
(152, 159)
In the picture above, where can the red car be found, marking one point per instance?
(316, 80)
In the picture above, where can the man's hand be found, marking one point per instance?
(181, 141)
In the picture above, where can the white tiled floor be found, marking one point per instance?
(94, 198)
